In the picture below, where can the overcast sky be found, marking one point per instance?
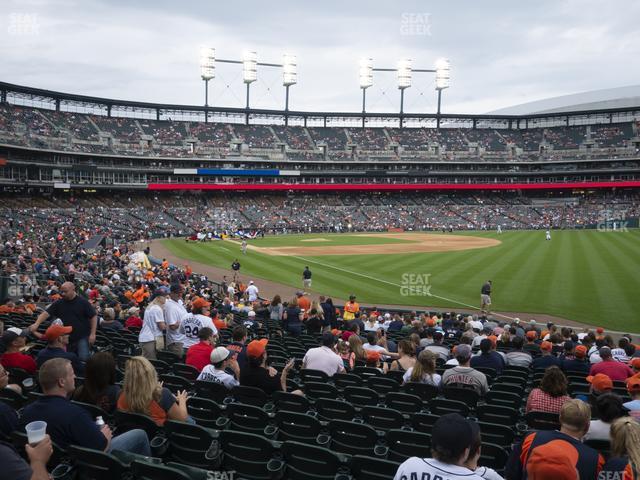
(502, 52)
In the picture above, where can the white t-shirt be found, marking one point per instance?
(174, 312)
(252, 292)
(324, 359)
(210, 374)
(231, 291)
(423, 468)
(191, 325)
(371, 328)
(150, 330)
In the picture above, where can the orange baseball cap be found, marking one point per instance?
(336, 332)
(256, 348)
(494, 339)
(532, 334)
(56, 331)
(600, 382)
(633, 384)
(200, 303)
(580, 351)
(372, 356)
(635, 363)
(553, 460)
(546, 346)
(431, 322)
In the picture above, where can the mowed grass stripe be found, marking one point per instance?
(610, 268)
(511, 277)
(538, 269)
(587, 290)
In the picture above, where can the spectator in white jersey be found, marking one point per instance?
(150, 337)
(195, 321)
(252, 291)
(452, 439)
(174, 312)
(221, 359)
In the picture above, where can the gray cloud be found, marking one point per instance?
(502, 53)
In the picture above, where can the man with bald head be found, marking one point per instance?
(74, 311)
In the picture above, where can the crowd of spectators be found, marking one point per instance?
(79, 132)
(94, 326)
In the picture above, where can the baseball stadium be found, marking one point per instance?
(202, 291)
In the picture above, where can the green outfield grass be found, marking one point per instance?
(587, 276)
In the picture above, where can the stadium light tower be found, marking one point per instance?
(443, 78)
(404, 82)
(289, 77)
(207, 70)
(366, 81)
(249, 73)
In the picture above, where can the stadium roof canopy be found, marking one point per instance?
(621, 97)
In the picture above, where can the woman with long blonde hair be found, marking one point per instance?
(424, 371)
(625, 449)
(142, 393)
(355, 345)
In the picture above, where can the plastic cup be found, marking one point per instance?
(36, 432)
(27, 382)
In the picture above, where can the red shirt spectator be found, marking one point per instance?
(14, 340)
(616, 371)
(541, 401)
(133, 320)
(199, 355)
(19, 360)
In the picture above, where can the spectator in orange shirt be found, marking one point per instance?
(351, 308)
(165, 264)
(219, 323)
(149, 275)
(140, 294)
(303, 302)
(188, 271)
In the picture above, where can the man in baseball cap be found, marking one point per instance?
(57, 337)
(600, 383)
(557, 454)
(464, 374)
(452, 439)
(578, 363)
(13, 341)
(633, 387)
(258, 375)
(546, 359)
(221, 358)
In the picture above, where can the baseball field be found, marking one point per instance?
(588, 276)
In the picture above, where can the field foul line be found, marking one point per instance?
(395, 284)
